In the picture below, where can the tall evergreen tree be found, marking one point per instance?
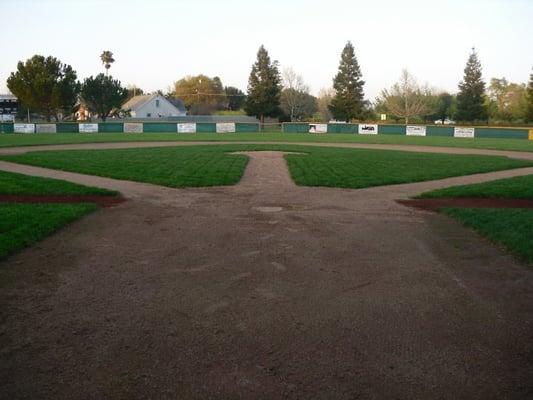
(471, 96)
(102, 94)
(348, 102)
(264, 88)
(529, 110)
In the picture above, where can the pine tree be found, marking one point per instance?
(348, 102)
(529, 110)
(264, 88)
(471, 96)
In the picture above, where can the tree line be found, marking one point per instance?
(50, 87)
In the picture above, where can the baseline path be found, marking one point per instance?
(265, 290)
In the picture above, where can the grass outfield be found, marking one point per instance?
(19, 184)
(512, 228)
(520, 187)
(24, 224)
(9, 140)
(196, 166)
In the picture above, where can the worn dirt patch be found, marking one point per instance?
(101, 201)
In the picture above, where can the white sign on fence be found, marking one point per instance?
(24, 128)
(318, 128)
(88, 128)
(189, 127)
(415, 130)
(225, 127)
(133, 127)
(368, 129)
(45, 128)
(463, 132)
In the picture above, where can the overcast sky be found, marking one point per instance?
(157, 42)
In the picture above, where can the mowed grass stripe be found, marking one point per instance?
(19, 184)
(195, 166)
(9, 140)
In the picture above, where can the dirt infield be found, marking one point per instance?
(265, 290)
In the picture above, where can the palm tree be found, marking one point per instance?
(107, 59)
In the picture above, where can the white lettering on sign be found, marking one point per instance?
(133, 127)
(318, 128)
(24, 128)
(88, 128)
(225, 127)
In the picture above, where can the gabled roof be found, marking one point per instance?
(138, 101)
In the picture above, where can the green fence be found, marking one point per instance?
(153, 127)
(246, 127)
(6, 128)
(111, 127)
(206, 127)
(391, 129)
(295, 127)
(501, 133)
(342, 128)
(439, 130)
(67, 127)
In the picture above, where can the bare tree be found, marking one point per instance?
(406, 99)
(295, 96)
(325, 95)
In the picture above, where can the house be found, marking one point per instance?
(153, 106)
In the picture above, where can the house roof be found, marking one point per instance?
(138, 101)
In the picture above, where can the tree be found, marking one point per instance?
(529, 108)
(235, 98)
(507, 101)
(295, 100)
(102, 94)
(134, 91)
(406, 99)
(471, 96)
(45, 85)
(348, 102)
(107, 59)
(325, 96)
(264, 87)
(200, 94)
(443, 106)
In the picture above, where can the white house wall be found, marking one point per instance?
(165, 109)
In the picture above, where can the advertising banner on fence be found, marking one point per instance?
(133, 127)
(187, 127)
(318, 128)
(24, 128)
(225, 127)
(88, 128)
(368, 129)
(45, 128)
(463, 132)
(415, 130)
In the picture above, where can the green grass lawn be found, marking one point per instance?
(11, 183)
(212, 165)
(24, 224)
(511, 227)
(7, 140)
(520, 187)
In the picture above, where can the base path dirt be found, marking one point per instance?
(265, 290)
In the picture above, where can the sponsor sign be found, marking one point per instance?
(133, 127)
(383, 117)
(187, 127)
(368, 129)
(24, 128)
(531, 134)
(463, 132)
(415, 130)
(45, 128)
(225, 127)
(318, 128)
(88, 128)
(7, 118)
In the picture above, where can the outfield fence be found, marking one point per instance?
(286, 127)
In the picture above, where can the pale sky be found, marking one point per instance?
(157, 42)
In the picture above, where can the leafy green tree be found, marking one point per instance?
(443, 106)
(102, 94)
(107, 59)
(529, 111)
(235, 98)
(264, 88)
(471, 96)
(507, 101)
(200, 94)
(348, 102)
(45, 85)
